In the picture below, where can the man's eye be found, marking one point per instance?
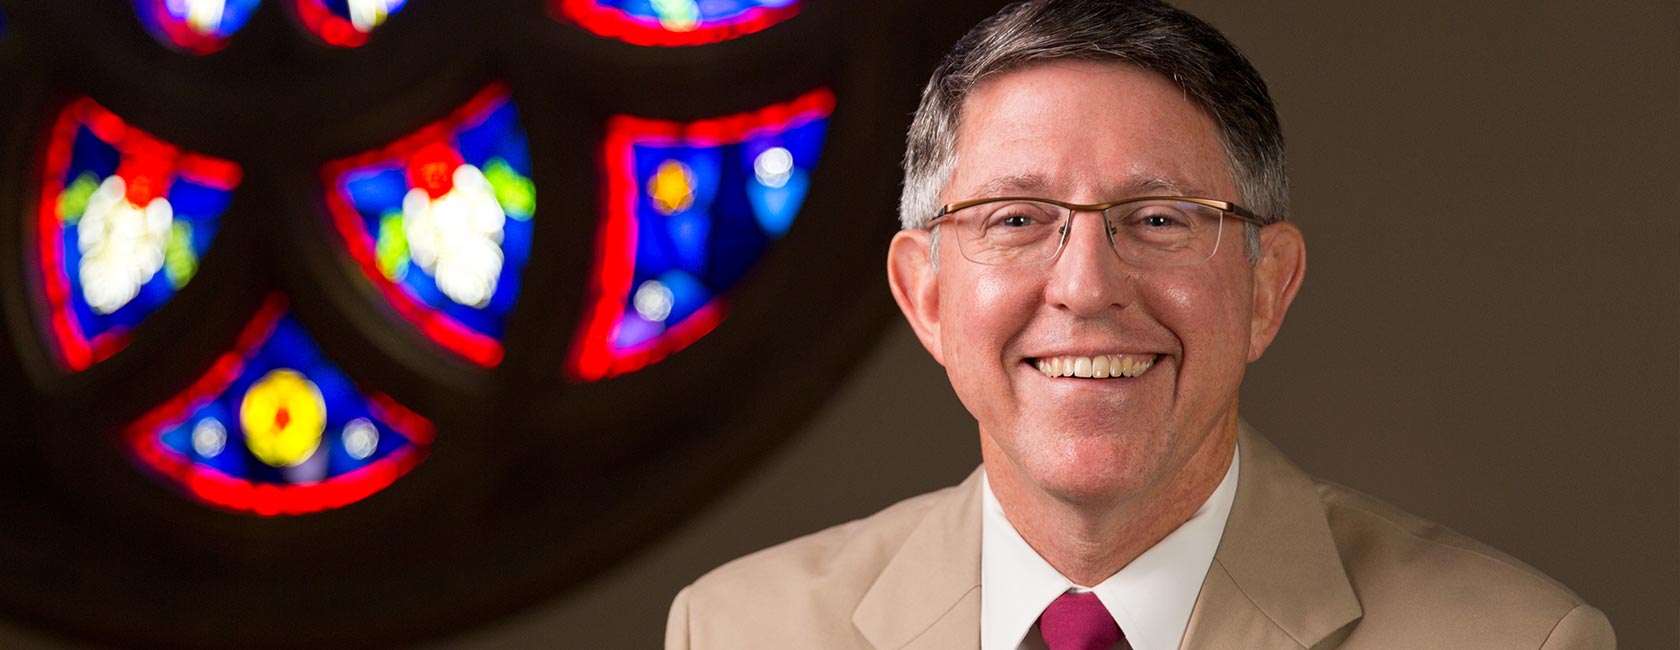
(1012, 219)
(1160, 220)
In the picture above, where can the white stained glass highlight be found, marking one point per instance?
(457, 237)
(209, 437)
(122, 245)
(203, 16)
(368, 14)
(773, 167)
(653, 301)
(361, 438)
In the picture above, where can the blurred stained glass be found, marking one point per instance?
(194, 26)
(668, 23)
(690, 209)
(440, 222)
(345, 23)
(123, 219)
(275, 428)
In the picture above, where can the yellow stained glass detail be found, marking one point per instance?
(672, 187)
(180, 263)
(390, 248)
(283, 416)
(516, 193)
(73, 201)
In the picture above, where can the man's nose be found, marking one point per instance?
(1087, 277)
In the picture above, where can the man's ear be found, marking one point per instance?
(1277, 278)
(915, 285)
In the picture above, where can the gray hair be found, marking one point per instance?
(1145, 33)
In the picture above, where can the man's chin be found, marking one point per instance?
(1085, 469)
(1089, 473)
(1085, 486)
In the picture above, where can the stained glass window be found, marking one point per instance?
(676, 22)
(440, 222)
(195, 26)
(345, 23)
(123, 220)
(275, 428)
(690, 207)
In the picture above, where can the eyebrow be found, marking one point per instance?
(1036, 184)
(1015, 184)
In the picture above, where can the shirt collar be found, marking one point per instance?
(1151, 598)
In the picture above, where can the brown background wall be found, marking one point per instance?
(1486, 337)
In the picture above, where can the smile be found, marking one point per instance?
(1102, 366)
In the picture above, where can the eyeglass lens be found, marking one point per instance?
(1151, 233)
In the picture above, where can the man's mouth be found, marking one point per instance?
(1102, 366)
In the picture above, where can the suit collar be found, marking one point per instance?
(1277, 580)
(928, 596)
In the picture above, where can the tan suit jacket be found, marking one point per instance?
(1302, 564)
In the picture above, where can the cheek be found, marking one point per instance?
(981, 313)
(994, 295)
(1209, 315)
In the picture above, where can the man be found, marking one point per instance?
(1094, 249)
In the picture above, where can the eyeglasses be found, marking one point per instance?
(1149, 231)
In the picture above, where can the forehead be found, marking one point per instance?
(1086, 131)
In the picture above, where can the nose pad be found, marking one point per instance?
(1088, 276)
(1101, 221)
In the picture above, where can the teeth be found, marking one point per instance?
(1102, 366)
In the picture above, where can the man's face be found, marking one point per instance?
(1089, 132)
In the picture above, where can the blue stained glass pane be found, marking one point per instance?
(743, 197)
(111, 282)
(91, 154)
(688, 294)
(194, 201)
(377, 185)
(688, 234)
(490, 138)
(775, 207)
(486, 136)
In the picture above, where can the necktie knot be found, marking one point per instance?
(1078, 622)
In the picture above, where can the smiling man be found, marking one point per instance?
(1094, 248)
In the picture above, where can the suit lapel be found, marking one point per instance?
(1277, 580)
(928, 596)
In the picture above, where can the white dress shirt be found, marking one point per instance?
(1150, 598)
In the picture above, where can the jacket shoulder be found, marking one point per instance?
(1415, 577)
(799, 593)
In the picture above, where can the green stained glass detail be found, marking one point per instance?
(677, 15)
(179, 260)
(391, 248)
(516, 193)
(72, 202)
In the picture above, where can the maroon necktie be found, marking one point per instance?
(1078, 622)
